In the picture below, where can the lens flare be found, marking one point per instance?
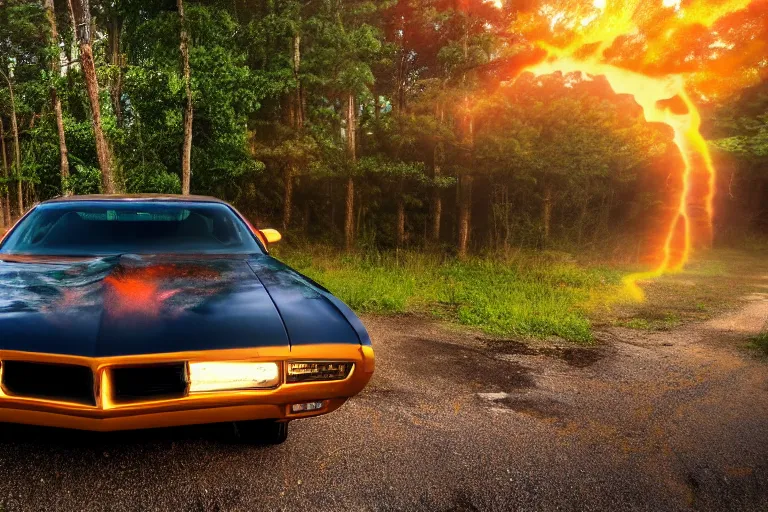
(629, 43)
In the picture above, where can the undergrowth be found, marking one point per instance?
(534, 295)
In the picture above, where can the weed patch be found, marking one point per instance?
(760, 343)
(521, 296)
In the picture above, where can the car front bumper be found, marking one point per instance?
(209, 407)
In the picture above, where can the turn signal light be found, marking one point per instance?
(312, 372)
(306, 407)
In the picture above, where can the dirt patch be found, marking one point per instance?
(542, 408)
(383, 394)
(715, 284)
(461, 363)
(576, 356)
(510, 347)
(579, 357)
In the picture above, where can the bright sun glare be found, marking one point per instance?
(664, 96)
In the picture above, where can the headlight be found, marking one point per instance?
(307, 372)
(230, 376)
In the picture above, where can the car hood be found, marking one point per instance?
(128, 305)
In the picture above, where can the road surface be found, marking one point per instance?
(454, 421)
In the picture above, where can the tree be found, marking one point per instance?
(5, 199)
(351, 143)
(16, 146)
(738, 134)
(402, 178)
(373, 124)
(227, 93)
(292, 155)
(80, 14)
(346, 44)
(186, 151)
(56, 101)
(600, 141)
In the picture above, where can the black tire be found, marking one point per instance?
(262, 431)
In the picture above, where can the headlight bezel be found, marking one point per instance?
(296, 375)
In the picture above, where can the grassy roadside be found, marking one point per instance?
(760, 343)
(530, 294)
(712, 283)
(536, 295)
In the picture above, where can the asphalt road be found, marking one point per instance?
(452, 421)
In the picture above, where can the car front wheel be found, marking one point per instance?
(262, 431)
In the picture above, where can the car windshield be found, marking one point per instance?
(105, 228)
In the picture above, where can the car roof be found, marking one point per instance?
(134, 197)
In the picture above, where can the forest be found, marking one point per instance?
(374, 124)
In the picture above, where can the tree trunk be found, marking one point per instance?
(288, 196)
(70, 76)
(546, 214)
(116, 84)
(305, 218)
(63, 153)
(582, 221)
(465, 185)
(79, 11)
(351, 128)
(186, 152)
(437, 202)
(298, 108)
(400, 220)
(5, 200)
(494, 200)
(507, 227)
(465, 213)
(16, 150)
(437, 215)
(360, 214)
(349, 218)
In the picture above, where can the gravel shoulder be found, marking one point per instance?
(453, 420)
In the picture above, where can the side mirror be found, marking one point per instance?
(271, 235)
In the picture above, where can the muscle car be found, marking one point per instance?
(131, 312)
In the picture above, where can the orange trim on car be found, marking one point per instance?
(195, 408)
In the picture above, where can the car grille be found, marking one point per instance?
(64, 382)
(149, 382)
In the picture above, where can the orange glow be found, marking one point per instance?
(132, 296)
(647, 49)
(138, 290)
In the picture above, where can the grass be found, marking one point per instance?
(530, 295)
(668, 322)
(760, 343)
(534, 294)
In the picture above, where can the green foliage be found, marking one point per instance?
(760, 343)
(84, 179)
(226, 92)
(525, 296)
(435, 103)
(747, 120)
